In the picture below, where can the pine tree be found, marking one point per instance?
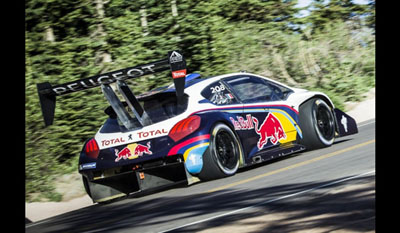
(59, 49)
(323, 13)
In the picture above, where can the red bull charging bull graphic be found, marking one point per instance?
(133, 151)
(271, 129)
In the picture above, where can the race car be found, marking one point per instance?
(196, 129)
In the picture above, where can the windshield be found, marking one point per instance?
(157, 108)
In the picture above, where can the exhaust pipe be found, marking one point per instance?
(257, 159)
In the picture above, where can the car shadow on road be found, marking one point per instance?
(332, 207)
(340, 140)
(337, 207)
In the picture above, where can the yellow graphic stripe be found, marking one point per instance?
(186, 154)
(292, 121)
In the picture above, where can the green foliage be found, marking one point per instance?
(332, 50)
(333, 11)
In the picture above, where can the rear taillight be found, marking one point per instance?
(184, 128)
(92, 149)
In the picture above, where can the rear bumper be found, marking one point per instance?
(157, 174)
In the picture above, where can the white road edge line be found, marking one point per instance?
(367, 123)
(37, 223)
(269, 201)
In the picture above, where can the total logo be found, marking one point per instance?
(179, 73)
(271, 128)
(133, 151)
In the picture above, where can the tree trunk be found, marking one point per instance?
(102, 56)
(49, 34)
(174, 9)
(143, 20)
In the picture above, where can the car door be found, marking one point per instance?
(263, 104)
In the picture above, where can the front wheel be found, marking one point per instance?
(317, 123)
(222, 157)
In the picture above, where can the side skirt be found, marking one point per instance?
(277, 152)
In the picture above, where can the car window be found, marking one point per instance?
(279, 91)
(218, 94)
(253, 89)
(163, 106)
(250, 89)
(158, 107)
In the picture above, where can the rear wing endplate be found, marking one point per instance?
(174, 62)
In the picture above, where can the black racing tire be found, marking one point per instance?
(221, 159)
(317, 123)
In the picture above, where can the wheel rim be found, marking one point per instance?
(324, 122)
(226, 152)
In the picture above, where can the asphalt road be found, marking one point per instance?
(322, 190)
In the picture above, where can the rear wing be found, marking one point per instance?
(174, 62)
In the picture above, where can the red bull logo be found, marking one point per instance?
(271, 129)
(241, 123)
(133, 151)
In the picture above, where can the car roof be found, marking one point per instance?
(207, 81)
(195, 83)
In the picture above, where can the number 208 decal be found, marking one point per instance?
(217, 88)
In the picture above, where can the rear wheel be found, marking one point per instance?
(222, 157)
(317, 123)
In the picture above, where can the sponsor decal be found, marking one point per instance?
(241, 123)
(344, 123)
(87, 166)
(192, 158)
(103, 79)
(271, 129)
(175, 57)
(179, 73)
(152, 133)
(133, 151)
(112, 141)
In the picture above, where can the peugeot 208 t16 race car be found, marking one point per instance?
(195, 129)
